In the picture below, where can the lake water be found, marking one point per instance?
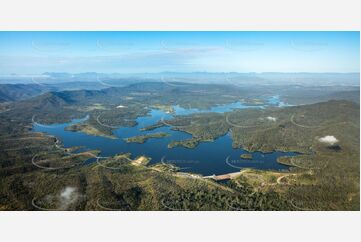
(207, 158)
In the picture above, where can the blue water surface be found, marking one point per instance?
(207, 158)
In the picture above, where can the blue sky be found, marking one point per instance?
(140, 52)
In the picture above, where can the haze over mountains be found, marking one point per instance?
(301, 87)
(268, 78)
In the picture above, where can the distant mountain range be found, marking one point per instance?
(17, 92)
(10, 92)
(269, 78)
(79, 91)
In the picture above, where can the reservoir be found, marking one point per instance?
(208, 158)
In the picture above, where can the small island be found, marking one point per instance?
(246, 156)
(188, 143)
(143, 138)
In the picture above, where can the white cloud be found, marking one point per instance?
(67, 192)
(328, 139)
(271, 118)
(68, 196)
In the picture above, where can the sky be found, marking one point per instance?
(153, 52)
